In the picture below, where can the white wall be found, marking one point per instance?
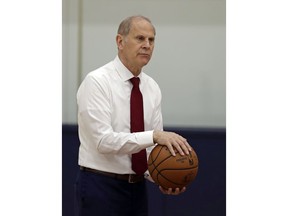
(188, 61)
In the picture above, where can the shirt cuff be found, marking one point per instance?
(148, 176)
(145, 139)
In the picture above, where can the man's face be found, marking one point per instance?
(137, 47)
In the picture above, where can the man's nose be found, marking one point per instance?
(146, 43)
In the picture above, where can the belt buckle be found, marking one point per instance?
(131, 179)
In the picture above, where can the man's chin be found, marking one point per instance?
(144, 60)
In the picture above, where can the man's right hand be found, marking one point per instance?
(172, 140)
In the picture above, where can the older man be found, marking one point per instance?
(120, 120)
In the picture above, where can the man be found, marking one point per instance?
(109, 182)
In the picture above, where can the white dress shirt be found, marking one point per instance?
(104, 118)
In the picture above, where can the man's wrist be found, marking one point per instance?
(155, 136)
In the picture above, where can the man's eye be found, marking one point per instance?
(140, 38)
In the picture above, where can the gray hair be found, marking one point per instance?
(125, 25)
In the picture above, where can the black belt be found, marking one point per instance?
(131, 178)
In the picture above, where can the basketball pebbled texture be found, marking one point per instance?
(171, 171)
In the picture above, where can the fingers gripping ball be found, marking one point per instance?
(171, 171)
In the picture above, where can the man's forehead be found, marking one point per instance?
(142, 28)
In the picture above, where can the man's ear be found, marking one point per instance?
(119, 41)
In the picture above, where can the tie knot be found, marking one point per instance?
(135, 81)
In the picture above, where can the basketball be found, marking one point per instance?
(171, 171)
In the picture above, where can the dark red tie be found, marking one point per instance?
(139, 160)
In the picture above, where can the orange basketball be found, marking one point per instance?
(171, 171)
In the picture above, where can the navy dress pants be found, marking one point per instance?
(99, 195)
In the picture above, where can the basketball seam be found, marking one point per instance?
(169, 179)
(154, 159)
(166, 179)
(155, 167)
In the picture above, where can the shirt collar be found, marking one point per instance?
(122, 71)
